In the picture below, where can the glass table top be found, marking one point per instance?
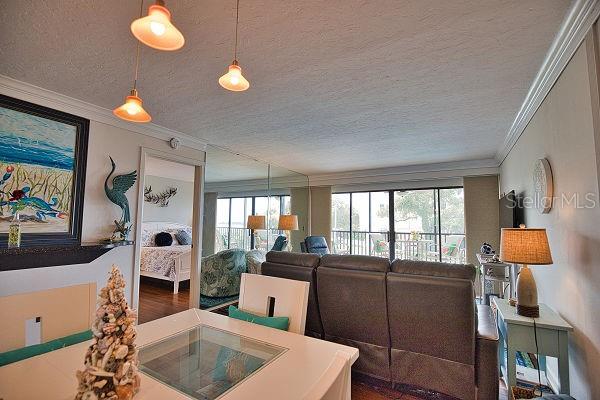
(205, 362)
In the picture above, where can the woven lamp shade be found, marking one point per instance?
(288, 223)
(525, 246)
(256, 222)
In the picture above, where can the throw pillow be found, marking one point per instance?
(183, 237)
(272, 322)
(163, 239)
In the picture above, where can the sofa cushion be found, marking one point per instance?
(486, 354)
(430, 268)
(353, 307)
(298, 259)
(361, 263)
(163, 239)
(316, 245)
(183, 237)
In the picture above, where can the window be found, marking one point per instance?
(232, 215)
(427, 224)
(365, 229)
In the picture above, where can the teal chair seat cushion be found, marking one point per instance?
(272, 322)
(23, 353)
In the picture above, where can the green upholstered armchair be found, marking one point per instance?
(221, 273)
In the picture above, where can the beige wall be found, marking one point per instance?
(563, 131)
(299, 198)
(320, 212)
(481, 214)
(180, 206)
(125, 148)
(209, 225)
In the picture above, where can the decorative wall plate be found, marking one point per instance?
(543, 185)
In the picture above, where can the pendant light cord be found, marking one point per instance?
(137, 53)
(237, 20)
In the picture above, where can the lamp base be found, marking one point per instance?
(527, 299)
(528, 311)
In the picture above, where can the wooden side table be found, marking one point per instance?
(516, 334)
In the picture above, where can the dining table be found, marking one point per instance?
(193, 354)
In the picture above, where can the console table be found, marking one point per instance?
(516, 334)
(496, 272)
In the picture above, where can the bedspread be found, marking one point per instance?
(161, 260)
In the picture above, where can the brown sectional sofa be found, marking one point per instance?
(414, 322)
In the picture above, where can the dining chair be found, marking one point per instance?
(275, 297)
(334, 384)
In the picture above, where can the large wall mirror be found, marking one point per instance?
(252, 205)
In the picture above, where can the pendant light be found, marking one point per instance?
(132, 110)
(156, 30)
(234, 80)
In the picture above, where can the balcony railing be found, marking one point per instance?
(239, 238)
(422, 246)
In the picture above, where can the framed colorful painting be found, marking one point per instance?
(42, 172)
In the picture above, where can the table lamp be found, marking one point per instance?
(287, 223)
(525, 246)
(255, 222)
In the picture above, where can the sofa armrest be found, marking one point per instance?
(486, 357)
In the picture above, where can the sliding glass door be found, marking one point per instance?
(424, 224)
(360, 223)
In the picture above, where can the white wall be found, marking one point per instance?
(180, 206)
(563, 131)
(125, 148)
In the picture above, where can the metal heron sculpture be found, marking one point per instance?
(116, 194)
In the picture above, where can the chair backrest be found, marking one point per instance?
(334, 383)
(431, 311)
(301, 267)
(280, 243)
(377, 236)
(290, 298)
(353, 304)
(452, 245)
(316, 245)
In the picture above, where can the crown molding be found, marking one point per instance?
(279, 185)
(457, 169)
(572, 32)
(35, 94)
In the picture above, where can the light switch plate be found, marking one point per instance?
(33, 331)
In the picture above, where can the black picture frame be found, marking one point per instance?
(82, 125)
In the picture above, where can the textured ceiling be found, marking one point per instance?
(335, 85)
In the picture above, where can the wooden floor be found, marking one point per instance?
(157, 300)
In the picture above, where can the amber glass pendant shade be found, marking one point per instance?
(234, 80)
(132, 110)
(157, 31)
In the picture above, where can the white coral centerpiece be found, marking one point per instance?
(111, 361)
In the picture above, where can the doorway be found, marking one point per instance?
(167, 229)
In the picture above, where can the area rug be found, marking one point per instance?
(397, 392)
(209, 302)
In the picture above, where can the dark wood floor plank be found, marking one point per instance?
(157, 299)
